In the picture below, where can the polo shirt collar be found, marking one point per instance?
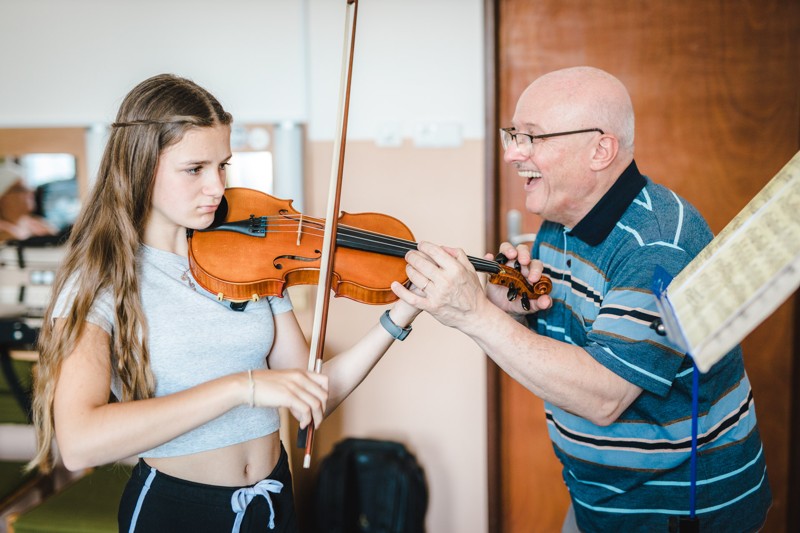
(598, 223)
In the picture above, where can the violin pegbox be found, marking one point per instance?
(518, 286)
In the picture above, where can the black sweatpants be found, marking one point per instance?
(155, 502)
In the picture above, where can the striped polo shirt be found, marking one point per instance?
(633, 475)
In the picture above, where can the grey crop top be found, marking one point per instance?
(193, 338)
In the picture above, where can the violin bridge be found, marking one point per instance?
(299, 229)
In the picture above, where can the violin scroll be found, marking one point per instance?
(519, 286)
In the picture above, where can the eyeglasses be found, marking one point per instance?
(524, 141)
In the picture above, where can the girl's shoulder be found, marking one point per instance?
(101, 311)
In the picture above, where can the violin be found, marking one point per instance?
(259, 245)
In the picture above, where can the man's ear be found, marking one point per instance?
(605, 152)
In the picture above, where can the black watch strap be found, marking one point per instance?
(394, 330)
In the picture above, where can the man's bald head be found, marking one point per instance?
(578, 98)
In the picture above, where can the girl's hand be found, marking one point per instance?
(304, 393)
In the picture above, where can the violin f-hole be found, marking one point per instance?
(277, 261)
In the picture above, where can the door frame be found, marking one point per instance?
(492, 237)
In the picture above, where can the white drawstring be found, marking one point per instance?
(242, 498)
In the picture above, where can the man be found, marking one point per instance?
(617, 395)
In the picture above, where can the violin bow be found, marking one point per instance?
(306, 436)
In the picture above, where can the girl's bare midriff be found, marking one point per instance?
(238, 465)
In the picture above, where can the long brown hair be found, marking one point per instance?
(102, 249)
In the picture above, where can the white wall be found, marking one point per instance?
(419, 64)
(417, 61)
(72, 62)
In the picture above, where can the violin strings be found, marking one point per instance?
(313, 227)
(357, 237)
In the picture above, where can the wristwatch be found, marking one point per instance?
(394, 330)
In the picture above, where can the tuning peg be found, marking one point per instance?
(512, 292)
(500, 258)
(526, 303)
(517, 266)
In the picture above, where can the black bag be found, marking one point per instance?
(370, 486)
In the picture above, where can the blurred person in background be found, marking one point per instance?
(17, 207)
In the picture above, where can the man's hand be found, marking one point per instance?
(451, 290)
(448, 286)
(531, 269)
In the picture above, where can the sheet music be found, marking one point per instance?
(742, 276)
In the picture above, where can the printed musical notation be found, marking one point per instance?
(741, 277)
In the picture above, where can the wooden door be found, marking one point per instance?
(716, 91)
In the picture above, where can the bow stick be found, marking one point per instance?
(306, 436)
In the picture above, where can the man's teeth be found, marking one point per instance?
(530, 174)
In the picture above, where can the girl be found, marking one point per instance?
(197, 384)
